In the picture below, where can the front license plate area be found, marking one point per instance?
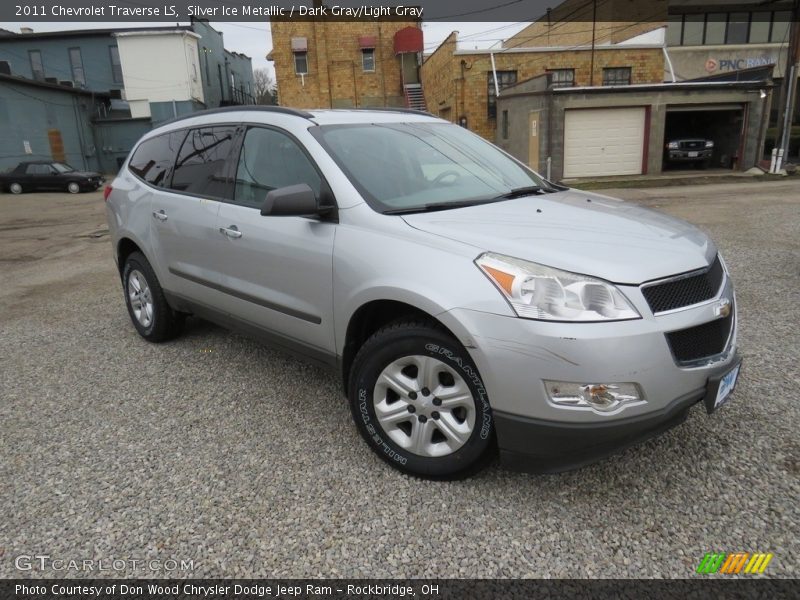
(720, 389)
(693, 154)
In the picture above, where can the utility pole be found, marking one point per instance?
(594, 24)
(789, 91)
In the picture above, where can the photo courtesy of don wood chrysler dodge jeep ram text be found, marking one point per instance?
(467, 303)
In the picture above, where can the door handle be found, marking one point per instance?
(160, 215)
(231, 231)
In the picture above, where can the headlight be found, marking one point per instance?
(538, 292)
(709, 144)
(672, 145)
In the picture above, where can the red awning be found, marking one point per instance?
(408, 39)
(367, 41)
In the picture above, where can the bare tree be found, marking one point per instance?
(264, 88)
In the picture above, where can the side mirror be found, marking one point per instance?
(291, 201)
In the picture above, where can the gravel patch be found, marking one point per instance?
(215, 449)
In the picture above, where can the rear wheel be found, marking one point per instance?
(151, 315)
(15, 188)
(73, 187)
(419, 402)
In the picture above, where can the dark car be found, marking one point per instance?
(47, 175)
(693, 150)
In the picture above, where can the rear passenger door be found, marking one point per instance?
(277, 270)
(189, 171)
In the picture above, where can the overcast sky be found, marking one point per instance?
(255, 40)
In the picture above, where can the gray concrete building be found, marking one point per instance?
(623, 130)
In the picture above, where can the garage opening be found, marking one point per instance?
(708, 136)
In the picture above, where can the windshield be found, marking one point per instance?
(407, 166)
(62, 168)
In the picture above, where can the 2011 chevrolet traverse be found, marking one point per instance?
(465, 301)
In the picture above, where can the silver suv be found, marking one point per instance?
(467, 303)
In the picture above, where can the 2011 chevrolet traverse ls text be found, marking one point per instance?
(466, 302)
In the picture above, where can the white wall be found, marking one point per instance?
(159, 67)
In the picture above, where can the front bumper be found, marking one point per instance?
(515, 356)
(684, 155)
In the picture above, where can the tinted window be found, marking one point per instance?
(154, 158)
(270, 159)
(201, 164)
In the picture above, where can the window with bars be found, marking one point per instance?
(617, 76)
(562, 77)
(368, 59)
(504, 80)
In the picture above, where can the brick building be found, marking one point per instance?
(334, 64)
(459, 84)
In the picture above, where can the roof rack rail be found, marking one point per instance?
(249, 107)
(411, 111)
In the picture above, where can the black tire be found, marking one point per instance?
(419, 338)
(165, 323)
(15, 187)
(74, 187)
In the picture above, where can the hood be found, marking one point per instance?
(579, 232)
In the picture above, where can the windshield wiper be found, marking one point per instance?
(434, 206)
(528, 190)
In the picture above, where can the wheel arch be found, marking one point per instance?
(371, 316)
(125, 247)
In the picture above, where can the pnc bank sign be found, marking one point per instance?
(738, 63)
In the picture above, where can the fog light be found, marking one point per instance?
(602, 398)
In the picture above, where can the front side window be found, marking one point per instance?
(504, 79)
(154, 158)
(202, 160)
(368, 59)
(617, 76)
(562, 77)
(76, 64)
(301, 63)
(408, 166)
(62, 168)
(37, 66)
(270, 160)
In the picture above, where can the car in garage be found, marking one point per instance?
(466, 302)
(696, 151)
(30, 176)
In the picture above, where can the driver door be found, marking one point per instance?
(277, 271)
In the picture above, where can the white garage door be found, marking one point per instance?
(603, 141)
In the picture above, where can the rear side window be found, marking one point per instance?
(269, 160)
(154, 158)
(201, 165)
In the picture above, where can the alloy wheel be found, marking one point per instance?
(424, 406)
(141, 298)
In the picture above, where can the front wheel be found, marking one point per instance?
(419, 402)
(15, 188)
(73, 187)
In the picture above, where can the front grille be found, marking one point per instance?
(693, 144)
(685, 290)
(702, 341)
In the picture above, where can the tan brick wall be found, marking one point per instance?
(335, 74)
(463, 88)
